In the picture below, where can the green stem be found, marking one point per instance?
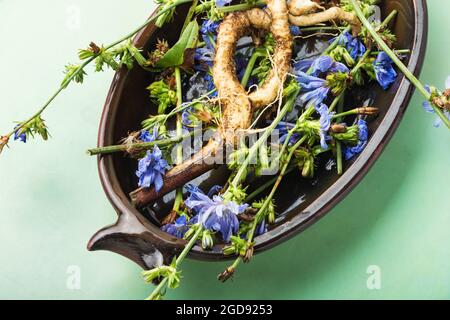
(404, 69)
(87, 62)
(339, 163)
(345, 113)
(275, 187)
(138, 146)
(251, 64)
(322, 28)
(178, 262)
(374, 53)
(177, 110)
(227, 9)
(264, 187)
(288, 105)
(179, 191)
(179, 103)
(53, 97)
(190, 14)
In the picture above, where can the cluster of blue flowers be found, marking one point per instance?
(152, 167)
(314, 88)
(211, 211)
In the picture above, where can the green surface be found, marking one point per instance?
(398, 218)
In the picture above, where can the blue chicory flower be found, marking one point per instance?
(428, 108)
(21, 136)
(363, 136)
(354, 46)
(151, 169)
(384, 70)
(321, 65)
(315, 90)
(214, 213)
(178, 228)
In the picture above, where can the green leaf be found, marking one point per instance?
(175, 56)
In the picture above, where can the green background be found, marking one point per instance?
(398, 218)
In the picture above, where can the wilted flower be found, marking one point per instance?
(363, 136)
(384, 70)
(151, 169)
(215, 214)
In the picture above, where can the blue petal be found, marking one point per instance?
(222, 3)
(384, 71)
(295, 30)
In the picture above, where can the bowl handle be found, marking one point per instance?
(131, 237)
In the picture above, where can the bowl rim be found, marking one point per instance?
(322, 204)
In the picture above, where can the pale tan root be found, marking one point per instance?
(236, 107)
(333, 13)
(279, 27)
(301, 7)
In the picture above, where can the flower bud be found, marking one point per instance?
(367, 111)
(248, 254)
(227, 274)
(3, 142)
(94, 48)
(271, 213)
(207, 240)
(338, 128)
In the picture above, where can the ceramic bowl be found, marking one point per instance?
(300, 202)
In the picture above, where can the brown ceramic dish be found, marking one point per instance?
(136, 234)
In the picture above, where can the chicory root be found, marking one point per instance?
(301, 7)
(333, 13)
(279, 27)
(237, 104)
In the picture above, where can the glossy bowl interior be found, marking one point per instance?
(300, 202)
